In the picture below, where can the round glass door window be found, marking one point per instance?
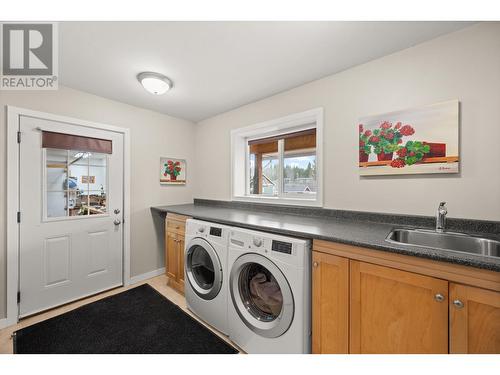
(260, 292)
(203, 269)
(261, 295)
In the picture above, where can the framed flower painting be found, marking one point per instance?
(172, 171)
(414, 141)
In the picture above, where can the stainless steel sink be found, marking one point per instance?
(461, 242)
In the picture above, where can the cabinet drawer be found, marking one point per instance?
(176, 226)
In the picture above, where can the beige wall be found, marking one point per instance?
(464, 65)
(152, 135)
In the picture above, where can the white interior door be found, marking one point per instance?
(71, 205)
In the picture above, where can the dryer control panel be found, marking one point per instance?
(282, 247)
(214, 231)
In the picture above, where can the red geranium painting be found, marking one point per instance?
(419, 140)
(172, 171)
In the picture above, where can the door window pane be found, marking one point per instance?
(76, 183)
(56, 204)
(97, 202)
(56, 167)
(97, 171)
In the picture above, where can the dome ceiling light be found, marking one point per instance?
(155, 83)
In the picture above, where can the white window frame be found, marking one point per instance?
(240, 174)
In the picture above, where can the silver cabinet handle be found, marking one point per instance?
(315, 264)
(458, 304)
(117, 222)
(439, 297)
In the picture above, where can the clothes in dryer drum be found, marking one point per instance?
(261, 295)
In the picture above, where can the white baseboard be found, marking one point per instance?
(147, 275)
(4, 323)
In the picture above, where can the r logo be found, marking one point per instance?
(27, 49)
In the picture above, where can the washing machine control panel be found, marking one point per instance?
(214, 231)
(282, 247)
(257, 242)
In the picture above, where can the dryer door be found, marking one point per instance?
(203, 268)
(261, 295)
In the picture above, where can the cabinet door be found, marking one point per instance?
(330, 306)
(180, 249)
(171, 256)
(394, 311)
(474, 320)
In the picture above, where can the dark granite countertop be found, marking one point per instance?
(348, 227)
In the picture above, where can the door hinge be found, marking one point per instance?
(18, 137)
(18, 297)
(18, 216)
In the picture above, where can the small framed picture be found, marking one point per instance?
(172, 171)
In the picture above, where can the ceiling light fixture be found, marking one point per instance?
(155, 83)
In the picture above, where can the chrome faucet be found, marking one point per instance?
(441, 217)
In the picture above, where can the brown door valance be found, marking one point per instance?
(76, 142)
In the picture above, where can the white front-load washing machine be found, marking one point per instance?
(269, 309)
(206, 276)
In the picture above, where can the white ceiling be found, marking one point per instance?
(218, 66)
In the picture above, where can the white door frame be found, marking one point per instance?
(13, 198)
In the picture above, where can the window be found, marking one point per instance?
(279, 160)
(75, 183)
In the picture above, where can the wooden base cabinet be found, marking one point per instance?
(474, 320)
(394, 311)
(175, 227)
(368, 301)
(330, 304)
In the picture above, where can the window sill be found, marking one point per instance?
(276, 200)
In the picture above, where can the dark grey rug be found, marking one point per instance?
(139, 320)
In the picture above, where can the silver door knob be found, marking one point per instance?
(116, 211)
(117, 222)
(439, 297)
(458, 304)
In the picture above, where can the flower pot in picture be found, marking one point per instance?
(383, 156)
(363, 156)
(173, 177)
(438, 150)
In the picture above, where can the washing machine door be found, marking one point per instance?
(261, 295)
(203, 268)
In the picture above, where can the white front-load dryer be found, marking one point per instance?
(269, 308)
(206, 276)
